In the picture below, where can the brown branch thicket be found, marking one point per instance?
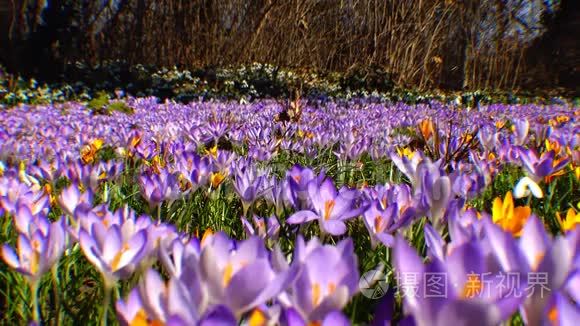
(422, 43)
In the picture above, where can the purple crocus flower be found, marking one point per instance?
(538, 168)
(181, 257)
(240, 275)
(464, 224)
(27, 223)
(384, 311)
(194, 168)
(389, 194)
(159, 235)
(104, 171)
(328, 278)
(483, 166)
(433, 190)
(467, 185)
(49, 171)
(131, 311)
(382, 223)
(292, 317)
(461, 288)
(36, 252)
(223, 161)
(71, 197)
(164, 301)
(265, 228)
(78, 172)
(249, 184)
(298, 180)
(158, 302)
(13, 193)
(536, 255)
(85, 216)
(351, 148)
(114, 255)
(331, 208)
(156, 188)
(488, 137)
(182, 261)
(278, 194)
(145, 149)
(562, 311)
(520, 129)
(408, 166)
(508, 153)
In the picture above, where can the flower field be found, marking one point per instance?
(331, 212)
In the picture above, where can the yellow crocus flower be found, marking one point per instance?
(216, 179)
(509, 218)
(406, 152)
(89, 152)
(571, 220)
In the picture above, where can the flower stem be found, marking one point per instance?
(159, 213)
(35, 307)
(106, 302)
(323, 237)
(56, 294)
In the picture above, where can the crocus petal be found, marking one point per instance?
(544, 167)
(557, 263)
(127, 310)
(384, 309)
(434, 242)
(504, 246)
(534, 241)
(440, 196)
(219, 316)
(69, 199)
(556, 267)
(178, 303)
(247, 284)
(326, 191)
(333, 227)
(302, 217)
(468, 312)
(407, 261)
(176, 320)
(293, 318)
(566, 313)
(248, 228)
(135, 247)
(10, 257)
(91, 250)
(335, 318)
(248, 250)
(112, 243)
(153, 292)
(573, 286)
(386, 239)
(277, 285)
(211, 271)
(23, 218)
(56, 241)
(334, 301)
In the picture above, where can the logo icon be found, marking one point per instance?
(373, 284)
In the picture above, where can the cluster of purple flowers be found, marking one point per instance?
(213, 279)
(173, 152)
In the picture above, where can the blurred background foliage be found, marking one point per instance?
(414, 44)
(116, 79)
